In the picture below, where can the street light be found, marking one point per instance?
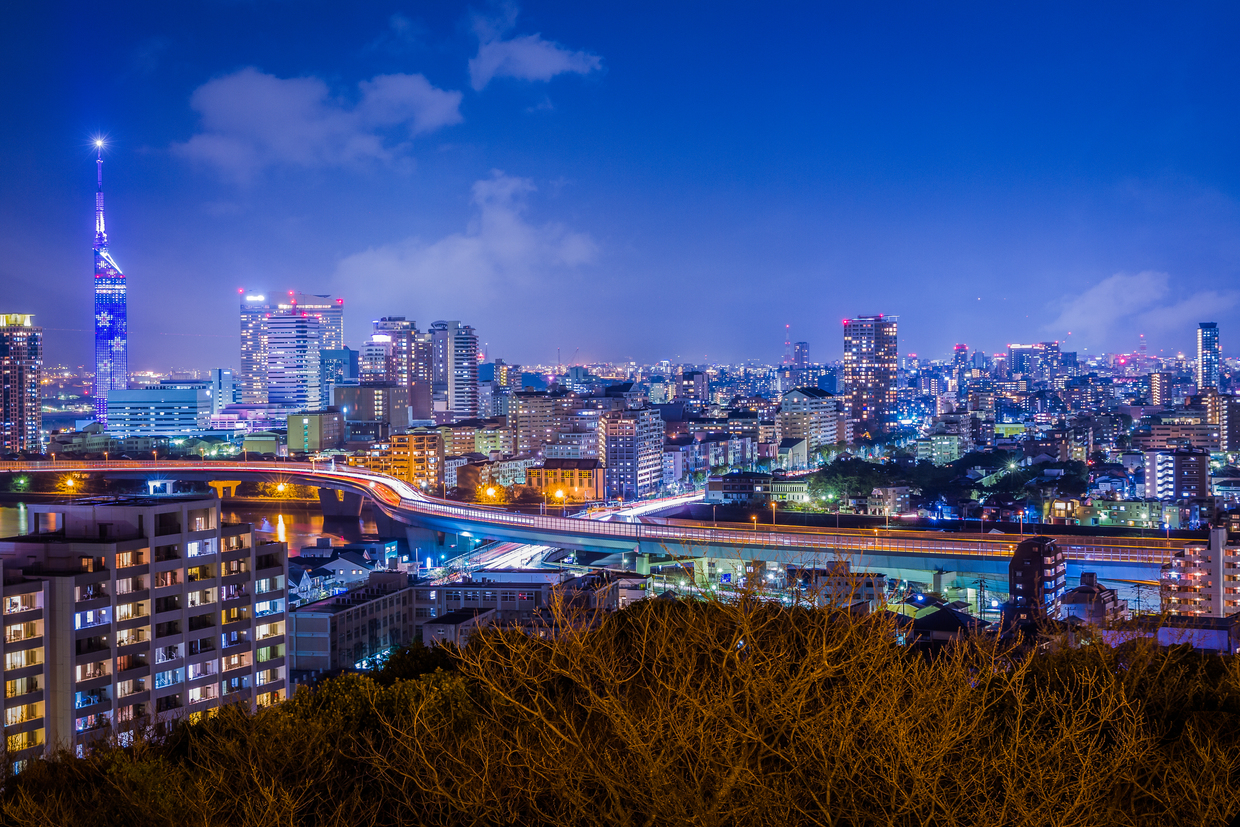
(755, 522)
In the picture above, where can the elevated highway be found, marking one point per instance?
(645, 541)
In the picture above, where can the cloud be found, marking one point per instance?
(252, 120)
(502, 264)
(1115, 311)
(527, 57)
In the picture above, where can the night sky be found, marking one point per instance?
(636, 181)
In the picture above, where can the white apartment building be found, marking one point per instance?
(1204, 579)
(123, 612)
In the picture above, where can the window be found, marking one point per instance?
(163, 654)
(199, 670)
(91, 591)
(92, 618)
(170, 678)
(21, 686)
(23, 603)
(23, 631)
(125, 559)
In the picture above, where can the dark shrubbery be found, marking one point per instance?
(694, 713)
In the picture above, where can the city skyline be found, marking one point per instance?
(444, 165)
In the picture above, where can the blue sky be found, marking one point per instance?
(630, 180)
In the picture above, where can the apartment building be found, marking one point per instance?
(120, 612)
(1204, 579)
(416, 457)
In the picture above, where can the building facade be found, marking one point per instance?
(871, 363)
(1209, 356)
(168, 409)
(455, 369)
(631, 447)
(121, 612)
(294, 377)
(21, 371)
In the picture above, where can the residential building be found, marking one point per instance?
(631, 448)
(792, 454)
(870, 367)
(1037, 577)
(1204, 578)
(454, 361)
(417, 457)
(126, 610)
(1209, 356)
(1093, 603)
(1177, 474)
(455, 627)
(810, 414)
(21, 366)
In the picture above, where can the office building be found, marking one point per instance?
(1209, 356)
(255, 310)
(341, 631)
(372, 410)
(631, 448)
(408, 355)
(258, 315)
(164, 410)
(338, 367)
(568, 480)
(111, 312)
(294, 378)
(329, 312)
(21, 370)
(121, 612)
(454, 382)
(870, 366)
(225, 390)
(312, 431)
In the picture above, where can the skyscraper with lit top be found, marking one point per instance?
(111, 312)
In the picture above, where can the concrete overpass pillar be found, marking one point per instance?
(224, 488)
(642, 564)
(340, 503)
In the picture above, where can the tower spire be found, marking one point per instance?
(101, 235)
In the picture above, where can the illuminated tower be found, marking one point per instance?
(111, 321)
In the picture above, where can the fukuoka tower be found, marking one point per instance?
(111, 322)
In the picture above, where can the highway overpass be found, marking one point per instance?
(641, 542)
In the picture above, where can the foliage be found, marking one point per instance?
(702, 713)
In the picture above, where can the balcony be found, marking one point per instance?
(92, 644)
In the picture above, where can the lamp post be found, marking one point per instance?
(755, 523)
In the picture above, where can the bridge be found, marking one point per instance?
(642, 542)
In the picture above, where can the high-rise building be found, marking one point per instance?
(870, 366)
(294, 378)
(21, 367)
(125, 612)
(255, 311)
(409, 360)
(170, 408)
(1209, 355)
(454, 380)
(631, 447)
(111, 312)
(329, 311)
(225, 389)
(800, 355)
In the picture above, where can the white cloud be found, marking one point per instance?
(1111, 314)
(252, 120)
(501, 265)
(527, 57)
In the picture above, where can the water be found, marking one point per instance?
(297, 525)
